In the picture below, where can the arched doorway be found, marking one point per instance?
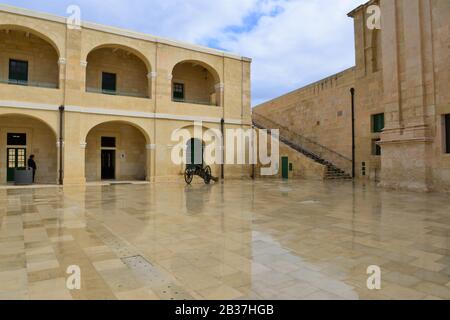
(198, 145)
(195, 152)
(22, 136)
(195, 82)
(116, 151)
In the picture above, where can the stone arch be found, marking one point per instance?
(200, 82)
(48, 38)
(124, 47)
(206, 143)
(42, 117)
(40, 139)
(131, 69)
(127, 122)
(32, 52)
(116, 150)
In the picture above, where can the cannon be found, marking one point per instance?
(199, 170)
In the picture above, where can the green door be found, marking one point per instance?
(285, 167)
(16, 158)
(194, 153)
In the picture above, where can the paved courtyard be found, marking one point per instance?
(238, 240)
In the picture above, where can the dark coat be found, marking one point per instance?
(32, 164)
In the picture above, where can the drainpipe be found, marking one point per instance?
(352, 92)
(61, 142)
(222, 166)
(252, 150)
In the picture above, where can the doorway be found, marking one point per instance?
(16, 159)
(194, 152)
(108, 164)
(285, 167)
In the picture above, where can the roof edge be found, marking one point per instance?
(352, 13)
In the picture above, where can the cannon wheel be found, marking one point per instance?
(188, 176)
(208, 175)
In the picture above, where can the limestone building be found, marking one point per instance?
(400, 88)
(97, 102)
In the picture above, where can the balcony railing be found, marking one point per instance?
(202, 102)
(39, 84)
(117, 92)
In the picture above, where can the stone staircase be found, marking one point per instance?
(333, 172)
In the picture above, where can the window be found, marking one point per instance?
(21, 158)
(16, 139)
(108, 142)
(447, 132)
(18, 71)
(378, 122)
(376, 149)
(178, 91)
(109, 82)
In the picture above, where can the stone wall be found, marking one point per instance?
(302, 166)
(321, 111)
(402, 71)
(416, 94)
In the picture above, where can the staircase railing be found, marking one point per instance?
(310, 146)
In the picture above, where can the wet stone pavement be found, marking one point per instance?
(237, 240)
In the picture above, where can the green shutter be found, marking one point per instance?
(378, 122)
(447, 132)
(109, 82)
(178, 91)
(285, 167)
(18, 71)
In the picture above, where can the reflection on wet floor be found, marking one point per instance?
(238, 240)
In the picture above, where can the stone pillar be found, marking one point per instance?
(75, 76)
(406, 138)
(220, 88)
(74, 86)
(74, 151)
(150, 169)
(62, 72)
(151, 85)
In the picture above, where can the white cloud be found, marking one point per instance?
(307, 41)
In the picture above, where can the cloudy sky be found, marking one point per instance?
(291, 42)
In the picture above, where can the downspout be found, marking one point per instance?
(153, 160)
(222, 166)
(352, 92)
(222, 121)
(61, 144)
(252, 150)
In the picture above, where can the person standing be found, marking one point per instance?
(32, 165)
